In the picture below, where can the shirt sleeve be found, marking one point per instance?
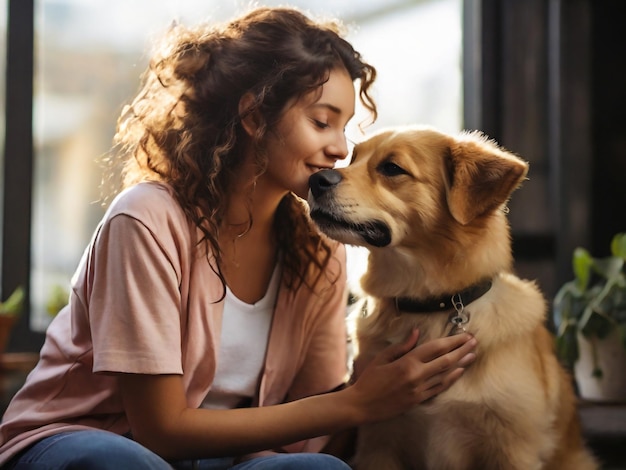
(134, 302)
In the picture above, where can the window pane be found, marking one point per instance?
(88, 57)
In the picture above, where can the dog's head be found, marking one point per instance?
(414, 193)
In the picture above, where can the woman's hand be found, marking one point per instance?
(403, 375)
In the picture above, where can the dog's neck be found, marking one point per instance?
(436, 267)
(445, 302)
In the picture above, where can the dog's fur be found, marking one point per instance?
(431, 209)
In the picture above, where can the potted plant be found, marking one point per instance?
(10, 311)
(590, 318)
(57, 299)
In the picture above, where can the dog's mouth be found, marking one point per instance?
(375, 233)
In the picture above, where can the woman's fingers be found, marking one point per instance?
(439, 383)
(442, 380)
(467, 360)
(452, 358)
(439, 379)
(396, 351)
(439, 347)
(437, 364)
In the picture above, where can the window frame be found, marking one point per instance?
(18, 166)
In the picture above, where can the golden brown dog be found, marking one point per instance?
(431, 210)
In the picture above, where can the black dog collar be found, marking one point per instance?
(444, 303)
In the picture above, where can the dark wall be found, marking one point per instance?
(608, 75)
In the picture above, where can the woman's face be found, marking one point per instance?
(311, 135)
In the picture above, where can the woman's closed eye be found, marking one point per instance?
(320, 124)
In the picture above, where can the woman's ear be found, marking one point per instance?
(247, 114)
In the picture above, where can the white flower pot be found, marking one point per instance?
(611, 359)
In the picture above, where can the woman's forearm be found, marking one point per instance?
(180, 432)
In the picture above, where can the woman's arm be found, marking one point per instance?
(398, 378)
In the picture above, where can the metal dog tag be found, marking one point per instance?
(458, 321)
(458, 318)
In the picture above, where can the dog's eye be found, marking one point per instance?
(391, 169)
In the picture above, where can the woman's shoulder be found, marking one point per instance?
(147, 200)
(153, 205)
(149, 209)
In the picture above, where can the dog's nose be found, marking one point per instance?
(322, 181)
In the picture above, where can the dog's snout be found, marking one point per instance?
(322, 181)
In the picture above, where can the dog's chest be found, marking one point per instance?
(423, 437)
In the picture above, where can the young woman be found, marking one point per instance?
(206, 325)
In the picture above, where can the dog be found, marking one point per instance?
(431, 210)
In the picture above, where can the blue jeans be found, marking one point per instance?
(102, 450)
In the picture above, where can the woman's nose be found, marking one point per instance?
(338, 149)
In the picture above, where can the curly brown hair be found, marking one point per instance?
(184, 126)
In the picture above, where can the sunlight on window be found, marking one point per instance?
(88, 57)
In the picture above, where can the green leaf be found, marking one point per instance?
(13, 305)
(618, 245)
(569, 304)
(597, 325)
(562, 304)
(609, 268)
(57, 300)
(581, 264)
(566, 292)
(567, 346)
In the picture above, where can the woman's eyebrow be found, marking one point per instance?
(328, 106)
(332, 108)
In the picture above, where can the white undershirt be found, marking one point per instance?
(240, 360)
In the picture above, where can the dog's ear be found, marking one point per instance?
(481, 176)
